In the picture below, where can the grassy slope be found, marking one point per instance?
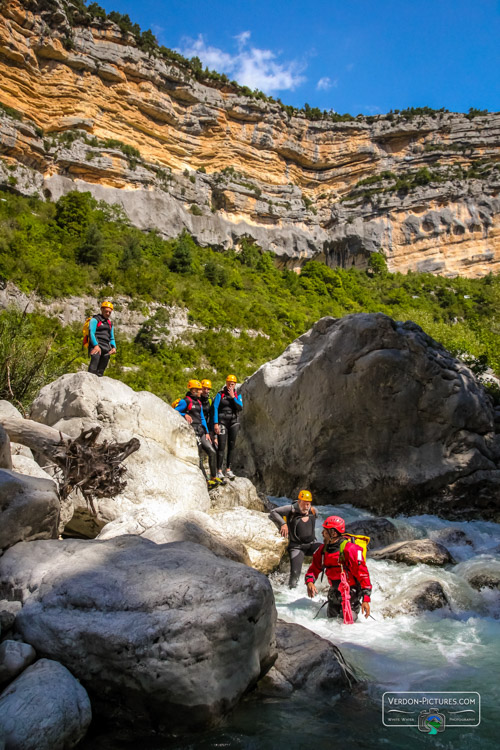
(78, 246)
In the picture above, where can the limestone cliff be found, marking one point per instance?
(85, 108)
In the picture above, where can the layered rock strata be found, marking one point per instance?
(223, 165)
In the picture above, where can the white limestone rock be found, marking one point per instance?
(29, 508)
(163, 475)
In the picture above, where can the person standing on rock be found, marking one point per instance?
(297, 523)
(101, 339)
(226, 412)
(339, 555)
(206, 402)
(192, 410)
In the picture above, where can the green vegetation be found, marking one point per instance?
(78, 246)
(14, 113)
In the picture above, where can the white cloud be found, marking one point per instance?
(250, 66)
(326, 83)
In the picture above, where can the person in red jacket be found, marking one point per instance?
(332, 559)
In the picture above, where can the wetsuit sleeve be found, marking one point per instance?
(277, 515)
(112, 341)
(357, 567)
(203, 421)
(314, 568)
(216, 408)
(92, 330)
(238, 402)
(181, 406)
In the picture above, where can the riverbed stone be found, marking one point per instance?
(373, 412)
(167, 636)
(29, 508)
(452, 536)
(14, 657)
(44, 708)
(380, 530)
(423, 597)
(485, 580)
(414, 552)
(306, 662)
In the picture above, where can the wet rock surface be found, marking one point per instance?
(423, 597)
(306, 662)
(415, 552)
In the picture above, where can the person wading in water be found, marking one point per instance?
(297, 523)
(340, 555)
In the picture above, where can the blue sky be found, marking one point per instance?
(358, 57)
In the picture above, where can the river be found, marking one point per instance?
(452, 649)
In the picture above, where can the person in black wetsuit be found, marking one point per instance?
(101, 339)
(226, 412)
(206, 402)
(297, 522)
(192, 410)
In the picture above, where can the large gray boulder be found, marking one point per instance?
(240, 493)
(305, 662)
(162, 476)
(29, 508)
(414, 552)
(369, 411)
(45, 708)
(167, 635)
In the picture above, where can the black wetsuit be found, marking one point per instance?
(226, 412)
(105, 339)
(301, 536)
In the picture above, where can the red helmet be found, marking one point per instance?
(335, 522)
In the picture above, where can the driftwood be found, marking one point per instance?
(95, 469)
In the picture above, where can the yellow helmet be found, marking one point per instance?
(231, 379)
(107, 303)
(206, 383)
(305, 496)
(194, 384)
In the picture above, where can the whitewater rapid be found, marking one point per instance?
(455, 648)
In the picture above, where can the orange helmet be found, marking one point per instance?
(305, 496)
(194, 384)
(206, 383)
(231, 379)
(107, 303)
(335, 522)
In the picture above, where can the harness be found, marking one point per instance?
(295, 517)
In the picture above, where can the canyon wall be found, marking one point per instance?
(84, 108)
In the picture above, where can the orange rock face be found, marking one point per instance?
(286, 181)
